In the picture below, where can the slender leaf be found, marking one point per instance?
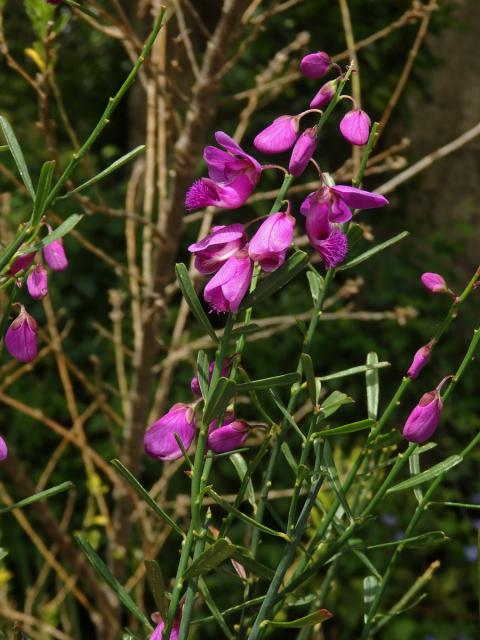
(17, 154)
(104, 572)
(312, 388)
(218, 399)
(354, 370)
(459, 505)
(285, 380)
(429, 474)
(62, 230)
(371, 252)
(431, 537)
(216, 613)
(241, 468)
(344, 429)
(192, 300)
(414, 466)
(41, 495)
(373, 385)
(242, 556)
(43, 189)
(316, 283)
(333, 402)
(213, 556)
(203, 372)
(310, 620)
(334, 479)
(246, 329)
(287, 452)
(276, 280)
(3, 553)
(144, 495)
(386, 440)
(371, 585)
(286, 414)
(157, 586)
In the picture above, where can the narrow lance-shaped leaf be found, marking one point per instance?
(241, 468)
(352, 427)
(316, 283)
(43, 189)
(203, 373)
(157, 586)
(41, 495)
(373, 385)
(287, 452)
(284, 380)
(192, 300)
(414, 466)
(371, 586)
(213, 556)
(429, 474)
(333, 402)
(334, 479)
(215, 611)
(312, 386)
(371, 252)
(309, 620)
(431, 537)
(62, 230)
(218, 399)
(17, 154)
(363, 368)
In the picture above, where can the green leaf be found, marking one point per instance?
(353, 370)
(203, 373)
(104, 572)
(431, 537)
(429, 474)
(287, 452)
(192, 300)
(157, 586)
(40, 14)
(241, 468)
(213, 556)
(316, 283)
(334, 479)
(276, 280)
(241, 555)
(17, 154)
(110, 169)
(386, 440)
(344, 429)
(284, 380)
(286, 414)
(371, 585)
(333, 402)
(215, 611)
(310, 620)
(62, 230)
(41, 495)
(354, 236)
(218, 399)
(43, 189)
(144, 495)
(245, 329)
(373, 385)
(371, 252)
(312, 387)
(414, 466)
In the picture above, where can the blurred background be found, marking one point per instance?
(427, 52)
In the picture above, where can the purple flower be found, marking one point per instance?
(355, 127)
(21, 337)
(233, 175)
(225, 291)
(215, 249)
(315, 65)
(423, 421)
(434, 282)
(3, 449)
(195, 385)
(37, 282)
(159, 440)
(231, 435)
(420, 359)
(158, 632)
(330, 242)
(270, 243)
(22, 262)
(303, 151)
(338, 201)
(279, 136)
(54, 254)
(324, 94)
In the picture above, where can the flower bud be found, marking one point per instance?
(159, 440)
(324, 94)
(270, 243)
(355, 127)
(3, 449)
(215, 249)
(420, 359)
(55, 255)
(37, 282)
(279, 136)
(423, 421)
(303, 151)
(434, 282)
(226, 290)
(315, 65)
(21, 337)
(195, 385)
(231, 435)
(22, 262)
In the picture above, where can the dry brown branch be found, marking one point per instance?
(23, 619)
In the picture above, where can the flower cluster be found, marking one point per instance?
(21, 335)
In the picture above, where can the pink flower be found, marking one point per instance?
(278, 136)
(324, 94)
(270, 243)
(226, 290)
(215, 249)
(37, 282)
(233, 175)
(338, 201)
(195, 385)
(423, 421)
(231, 435)
(22, 262)
(3, 449)
(355, 127)
(315, 65)
(21, 337)
(159, 440)
(303, 151)
(420, 359)
(330, 242)
(54, 254)
(434, 282)
(158, 632)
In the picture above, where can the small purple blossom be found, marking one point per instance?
(270, 243)
(158, 631)
(226, 290)
(54, 254)
(231, 435)
(303, 151)
(355, 127)
(315, 65)
(434, 282)
(215, 249)
(420, 359)
(422, 423)
(195, 384)
(21, 337)
(159, 440)
(324, 94)
(37, 282)
(279, 136)
(336, 202)
(330, 242)
(22, 262)
(3, 449)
